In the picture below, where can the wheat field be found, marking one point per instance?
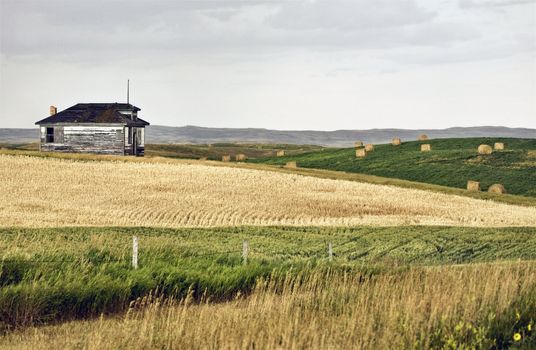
(41, 192)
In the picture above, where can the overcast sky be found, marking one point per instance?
(323, 65)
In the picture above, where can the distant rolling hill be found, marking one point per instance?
(451, 162)
(19, 135)
(338, 138)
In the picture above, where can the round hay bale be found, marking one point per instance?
(226, 158)
(358, 144)
(473, 186)
(423, 137)
(497, 188)
(426, 147)
(396, 141)
(291, 165)
(280, 153)
(485, 149)
(498, 146)
(369, 147)
(360, 153)
(240, 157)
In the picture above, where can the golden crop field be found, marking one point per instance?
(42, 192)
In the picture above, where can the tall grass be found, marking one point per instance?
(66, 273)
(74, 292)
(457, 307)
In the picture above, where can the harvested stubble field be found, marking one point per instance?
(48, 192)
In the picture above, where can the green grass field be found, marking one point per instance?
(450, 163)
(62, 273)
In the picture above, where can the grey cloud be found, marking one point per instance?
(104, 27)
(493, 3)
(350, 15)
(96, 29)
(161, 31)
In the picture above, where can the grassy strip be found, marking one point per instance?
(215, 151)
(370, 245)
(320, 173)
(50, 274)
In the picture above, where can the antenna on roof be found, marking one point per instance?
(128, 90)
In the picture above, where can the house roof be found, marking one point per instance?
(95, 113)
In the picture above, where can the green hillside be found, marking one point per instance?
(450, 163)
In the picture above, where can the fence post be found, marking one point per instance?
(245, 250)
(135, 252)
(330, 251)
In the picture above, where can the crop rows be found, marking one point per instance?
(39, 192)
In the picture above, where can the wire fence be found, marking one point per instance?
(133, 259)
(371, 254)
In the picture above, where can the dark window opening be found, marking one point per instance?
(50, 135)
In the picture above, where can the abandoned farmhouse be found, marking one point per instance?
(105, 128)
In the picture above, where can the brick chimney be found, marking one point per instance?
(53, 110)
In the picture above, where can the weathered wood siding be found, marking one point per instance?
(58, 135)
(107, 139)
(134, 135)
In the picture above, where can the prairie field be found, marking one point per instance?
(411, 266)
(47, 192)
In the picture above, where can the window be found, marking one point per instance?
(49, 138)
